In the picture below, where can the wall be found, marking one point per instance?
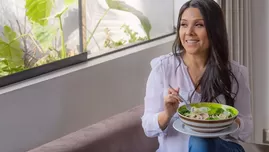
(260, 46)
(42, 112)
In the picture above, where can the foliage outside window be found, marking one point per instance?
(32, 33)
(38, 32)
(111, 24)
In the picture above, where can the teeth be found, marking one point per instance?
(192, 41)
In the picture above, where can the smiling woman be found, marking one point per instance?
(198, 65)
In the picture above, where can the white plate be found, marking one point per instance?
(181, 127)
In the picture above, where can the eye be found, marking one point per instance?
(199, 25)
(183, 25)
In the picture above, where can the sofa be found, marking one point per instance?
(120, 133)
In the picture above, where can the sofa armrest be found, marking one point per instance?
(119, 133)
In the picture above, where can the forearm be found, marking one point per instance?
(150, 124)
(163, 120)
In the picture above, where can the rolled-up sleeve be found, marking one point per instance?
(243, 105)
(153, 100)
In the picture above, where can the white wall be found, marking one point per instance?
(260, 38)
(42, 112)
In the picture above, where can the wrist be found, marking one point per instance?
(167, 115)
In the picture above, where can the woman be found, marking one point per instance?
(199, 69)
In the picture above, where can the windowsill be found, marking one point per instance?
(103, 57)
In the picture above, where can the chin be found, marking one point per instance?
(192, 51)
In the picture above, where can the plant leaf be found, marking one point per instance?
(95, 27)
(44, 35)
(50, 57)
(69, 2)
(39, 10)
(11, 37)
(120, 5)
(11, 50)
(58, 15)
(3, 64)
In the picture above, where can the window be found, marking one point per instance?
(113, 24)
(35, 35)
(177, 6)
(39, 36)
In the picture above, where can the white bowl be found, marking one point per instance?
(207, 125)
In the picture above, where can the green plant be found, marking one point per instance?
(120, 5)
(132, 37)
(59, 17)
(7, 69)
(110, 43)
(95, 27)
(39, 10)
(11, 55)
(52, 55)
(42, 35)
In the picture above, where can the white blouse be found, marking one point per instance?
(164, 72)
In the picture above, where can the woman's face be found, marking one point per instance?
(193, 35)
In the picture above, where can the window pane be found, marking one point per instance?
(111, 24)
(178, 5)
(36, 32)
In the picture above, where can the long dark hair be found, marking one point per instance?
(217, 78)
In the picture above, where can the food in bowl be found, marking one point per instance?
(208, 113)
(207, 117)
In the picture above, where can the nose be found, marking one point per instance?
(189, 30)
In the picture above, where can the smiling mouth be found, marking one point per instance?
(192, 41)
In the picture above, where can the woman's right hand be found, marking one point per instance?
(171, 102)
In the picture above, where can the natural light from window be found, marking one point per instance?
(112, 24)
(40, 32)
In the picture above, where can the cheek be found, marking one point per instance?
(205, 38)
(181, 36)
(206, 41)
(206, 44)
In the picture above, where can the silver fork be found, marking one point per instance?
(188, 106)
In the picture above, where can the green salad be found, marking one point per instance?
(208, 111)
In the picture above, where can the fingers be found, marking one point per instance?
(172, 98)
(173, 91)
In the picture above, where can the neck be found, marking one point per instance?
(197, 61)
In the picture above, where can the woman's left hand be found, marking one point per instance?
(237, 120)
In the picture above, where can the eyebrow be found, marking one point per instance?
(194, 20)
